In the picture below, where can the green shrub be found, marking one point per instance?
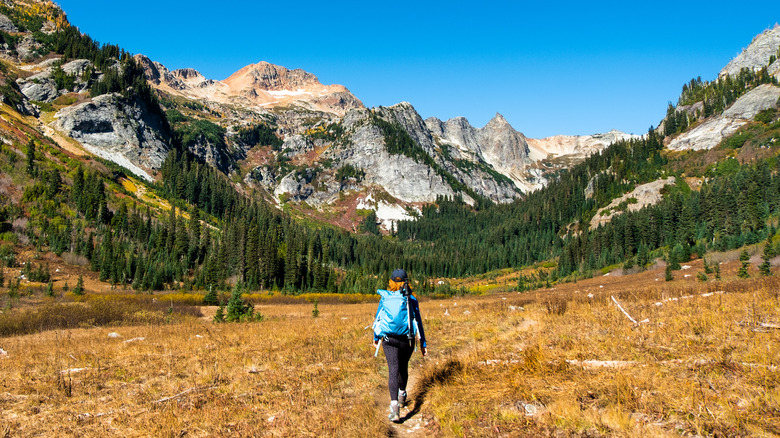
(7, 256)
(766, 116)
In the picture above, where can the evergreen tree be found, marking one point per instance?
(744, 257)
(79, 289)
(706, 266)
(220, 315)
(672, 260)
(31, 169)
(668, 273)
(369, 224)
(766, 256)
(211, 298)
(315, 312)
(238, 309)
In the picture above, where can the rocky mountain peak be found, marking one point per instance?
(497, 120)
(152, 70)
(188, 74)
(270, 77)
(757, 54)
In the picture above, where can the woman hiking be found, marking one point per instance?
(396, 323)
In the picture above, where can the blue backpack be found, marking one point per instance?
(393, 316)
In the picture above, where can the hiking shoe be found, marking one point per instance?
(395, 413)
(402, 399)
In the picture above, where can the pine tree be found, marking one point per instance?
(79, 289)
(744, 257)
(668, 273)
(31, 170)
(220, 315)
(673, 261)
(707, 268)
(766, 256)
(240, 310)
(211, 298)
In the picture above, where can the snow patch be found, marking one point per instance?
(286, 93)
(387, 214)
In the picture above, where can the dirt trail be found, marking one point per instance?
(412, 423)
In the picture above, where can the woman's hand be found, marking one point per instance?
(424, 351)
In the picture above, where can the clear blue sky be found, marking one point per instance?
(549, 67)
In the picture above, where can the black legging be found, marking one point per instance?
(398, 351)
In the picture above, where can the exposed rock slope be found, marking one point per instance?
(579, 146)
(118, 130)
(757, 54)
(712, 131)
(512, 154)
(642, 196)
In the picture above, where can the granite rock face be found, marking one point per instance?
(510, 153)
(757, 54)
(713, 130)
(123, 131)
(400, 176)
(6, 25)
(642, 196)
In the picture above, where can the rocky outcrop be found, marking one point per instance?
(639, 198)
(6, 25)
(120, 130)
(712, 131)
(504, 148)
(41, 91)
(757, 54)
(497, 144)
(468, 168)
(41, 86)
(296, 185)
(402, 177)
(510, 153)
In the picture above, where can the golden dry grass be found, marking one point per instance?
(499, 365)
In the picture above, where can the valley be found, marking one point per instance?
(186, 256)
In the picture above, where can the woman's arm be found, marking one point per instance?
(418, 318)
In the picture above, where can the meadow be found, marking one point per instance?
(701, 360)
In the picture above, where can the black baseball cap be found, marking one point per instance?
(398, 275)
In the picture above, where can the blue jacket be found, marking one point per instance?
(414, 307)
